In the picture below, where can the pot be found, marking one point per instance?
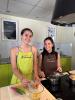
(54, 78)
(55, 81)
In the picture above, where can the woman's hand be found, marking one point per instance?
(59, 69)
(25, 82)
(36, 77)
(41, 73)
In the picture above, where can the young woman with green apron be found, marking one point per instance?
(24, 60)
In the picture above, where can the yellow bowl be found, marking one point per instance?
(35, 93)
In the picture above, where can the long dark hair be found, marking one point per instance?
(53, 48)
(45, 52)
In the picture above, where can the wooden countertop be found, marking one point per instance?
(6, 93)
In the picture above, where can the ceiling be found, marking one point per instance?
(33, 9)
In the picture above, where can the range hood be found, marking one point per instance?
(64, 12)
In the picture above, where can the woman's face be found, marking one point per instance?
(48, 45)
(26, 37)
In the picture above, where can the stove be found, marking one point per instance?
(64, 90)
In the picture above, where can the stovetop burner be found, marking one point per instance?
(64, 90)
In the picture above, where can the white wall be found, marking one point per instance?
(40, 31)
(73, 48)
(66, 35)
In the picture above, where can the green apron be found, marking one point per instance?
(25, 65)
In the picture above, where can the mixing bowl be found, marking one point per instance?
(35, 93)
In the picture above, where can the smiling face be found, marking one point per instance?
(26, 37)
(48, 45)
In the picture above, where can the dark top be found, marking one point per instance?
(49, 63)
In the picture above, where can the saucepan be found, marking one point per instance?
(55, 78)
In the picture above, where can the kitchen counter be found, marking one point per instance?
(6, 93)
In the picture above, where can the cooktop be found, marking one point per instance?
(64, 90)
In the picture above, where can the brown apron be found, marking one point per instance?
(49, 64)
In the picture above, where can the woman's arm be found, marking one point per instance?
(40, 62)
(35, 62)
(59, 68)
(15, 69)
